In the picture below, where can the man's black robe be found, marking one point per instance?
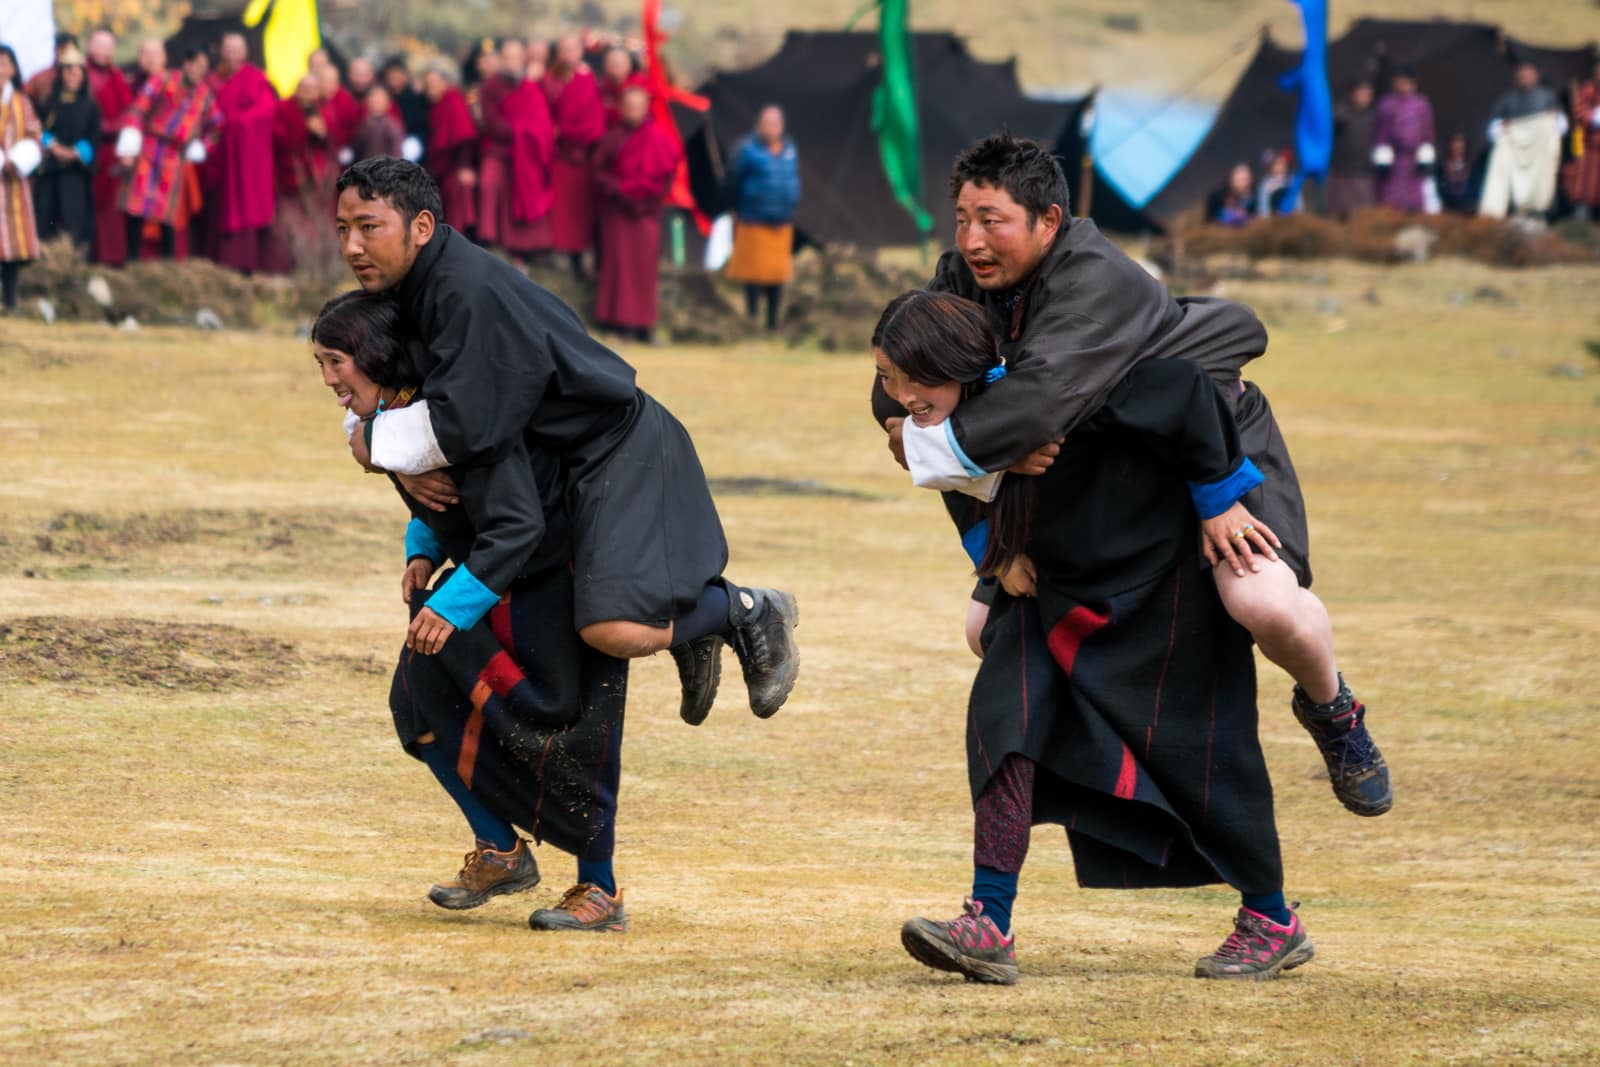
(506, 361)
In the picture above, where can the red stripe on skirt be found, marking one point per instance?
(501, 673)
(1127, 776)
(1071, 632)
(468, 759)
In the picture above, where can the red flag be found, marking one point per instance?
(663, 94)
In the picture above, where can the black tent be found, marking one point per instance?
(825, 82)
(1462, 67)
(205, 31)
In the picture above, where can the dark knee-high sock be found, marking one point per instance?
(488, 827)
(1272, 905)
(598, 872)
(9, 276)
(752, 300)
(1002, 828)
(773, 295)
(708, 616)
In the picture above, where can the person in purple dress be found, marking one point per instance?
(1403, 148)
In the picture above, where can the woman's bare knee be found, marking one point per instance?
(1267, 602)
(626, 640)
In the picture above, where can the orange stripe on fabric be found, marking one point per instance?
(468, 760)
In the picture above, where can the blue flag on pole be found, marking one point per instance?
(1313, 130)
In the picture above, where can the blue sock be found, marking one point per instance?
(995, 890)
(708, 616)
(598, 872)
(1269, 904)
(486, 825)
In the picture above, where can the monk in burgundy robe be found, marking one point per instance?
(518, 147)
(304, 173)
(580, 120)
(110, 90)
(634, 167)
(240, 197)
(341, 112)
(617, 73)
(452, 153)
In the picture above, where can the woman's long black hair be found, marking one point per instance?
(937, 338)
(367, 328)
(16, 68)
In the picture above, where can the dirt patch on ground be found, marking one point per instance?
(195, 540)
(139, 653)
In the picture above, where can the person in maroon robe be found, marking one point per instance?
(380, 132)
(340, 111)
(452, 152)
(304, 173)
(580, 120)
(634, 167)
(360, 76)
(110, 90)
(518, 147)
(617, 73)
(240, 199)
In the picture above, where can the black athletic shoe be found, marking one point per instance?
(763, 637)
(700, 670)
(1356, 768)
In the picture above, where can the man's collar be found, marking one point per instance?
(410, 287)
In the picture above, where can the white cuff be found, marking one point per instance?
(351, 421)
(936, 461)
(195, 152)
(26, 156)
(346, 156)
(1383, 156)
(129, 142)
(403, 441)
(411, 150)
(985, 488)
(1426, 155)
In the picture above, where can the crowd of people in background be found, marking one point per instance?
(541, 150)
(1386, 152)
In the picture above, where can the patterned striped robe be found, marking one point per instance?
(170, 113)
(19, 234)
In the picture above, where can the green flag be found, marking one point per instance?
(894, 112)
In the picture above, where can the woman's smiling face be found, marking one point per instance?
(928, 405)
(355, 391)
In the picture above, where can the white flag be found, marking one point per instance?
(29, 27)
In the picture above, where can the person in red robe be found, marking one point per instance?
(634, 167)
(171, 127)
(304, 173)
(340, 111)
(580, 120)
(452, 152)
(617, 73)
(110, 90)
(240, 199)
(517, 149)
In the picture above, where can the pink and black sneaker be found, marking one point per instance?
(970, 945)
(1258, 949)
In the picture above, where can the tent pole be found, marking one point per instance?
(1085, 186)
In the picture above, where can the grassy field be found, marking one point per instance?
(214, 851)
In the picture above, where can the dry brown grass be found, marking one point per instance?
(236, 874)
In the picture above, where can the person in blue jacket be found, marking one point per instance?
(765, 185)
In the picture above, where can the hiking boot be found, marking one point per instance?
(585, 907)
(700, 670)
(970, 945)
(486, 874)
(1258, 948)
(763, 637)
(1356, 768)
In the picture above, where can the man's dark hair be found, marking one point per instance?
(194, 51)
(1026, 170)
(406, 186)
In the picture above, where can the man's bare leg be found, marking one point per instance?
(1290, 624)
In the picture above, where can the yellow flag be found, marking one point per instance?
(292, 33)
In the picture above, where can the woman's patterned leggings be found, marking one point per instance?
(1003, 817)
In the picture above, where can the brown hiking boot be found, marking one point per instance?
(585, 907)
(486, 874)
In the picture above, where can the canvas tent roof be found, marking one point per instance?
(825, 83)
(1462, 67)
